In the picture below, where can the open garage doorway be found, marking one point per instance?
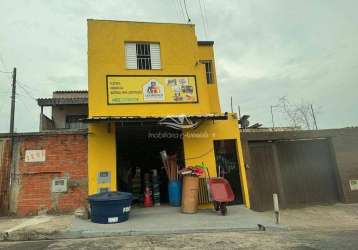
(227, 166)
(138, 158)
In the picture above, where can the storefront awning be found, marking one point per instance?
(153, 119)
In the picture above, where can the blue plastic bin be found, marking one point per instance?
(110, 207)
(174, 190)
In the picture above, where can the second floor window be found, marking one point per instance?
(74, 121)
(208, 71)
(144, 56)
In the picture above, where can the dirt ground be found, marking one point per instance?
(316, 227)
(306, 239)
(337, 216)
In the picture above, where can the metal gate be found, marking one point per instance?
(301, 172)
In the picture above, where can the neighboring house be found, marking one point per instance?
(68, 109)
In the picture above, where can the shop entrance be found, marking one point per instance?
(227, 166)
(139, 160)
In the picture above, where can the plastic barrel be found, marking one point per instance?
(174, 190)
(110, 207)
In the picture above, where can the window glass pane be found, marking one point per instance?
(208, 71)
(74, 122)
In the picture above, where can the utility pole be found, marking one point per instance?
(12, 122)
(232, 110)
(314, 117)
(238, 108)
(273, 122)
(13, 96)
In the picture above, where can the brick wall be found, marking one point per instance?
(66, 156)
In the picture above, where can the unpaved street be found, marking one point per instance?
(316, 227)
(223, 240)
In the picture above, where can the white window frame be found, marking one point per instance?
(132, 60)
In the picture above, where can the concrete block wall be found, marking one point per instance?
(65, 156)
(4, 174)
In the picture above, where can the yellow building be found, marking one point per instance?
(142, 76)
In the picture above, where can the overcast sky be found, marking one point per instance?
(306, 50)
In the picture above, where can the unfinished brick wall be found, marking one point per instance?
(66, 156)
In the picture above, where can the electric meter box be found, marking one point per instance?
(59, 185)
(103, 177)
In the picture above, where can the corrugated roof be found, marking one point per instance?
(61, 101)
(70, 94)
(153, 118)
(71, 91)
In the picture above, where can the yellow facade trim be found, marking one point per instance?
(199, 147)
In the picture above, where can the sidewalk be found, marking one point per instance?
(143, 221)
(167, 220)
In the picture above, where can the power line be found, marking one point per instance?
(25, 105)
(25, 86)
(186, 11)
(5, 72)
(203, 20)
(27, 92)
(205, 16)
(179, 10)
(30, 88)
(182, 9)
(22, 95)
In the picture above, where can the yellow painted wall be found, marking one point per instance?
(207, 53)
(180, 55)
(199, 147)
(101, 155)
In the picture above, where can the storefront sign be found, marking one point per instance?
(151, 89)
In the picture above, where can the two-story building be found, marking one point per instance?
(153, 87)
